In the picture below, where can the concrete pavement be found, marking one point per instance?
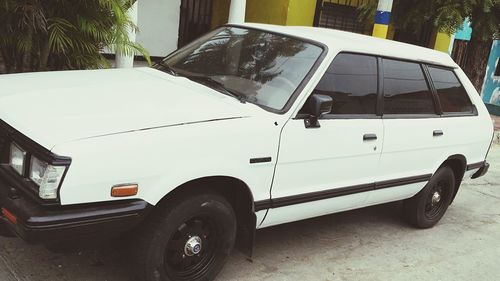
(368, 244)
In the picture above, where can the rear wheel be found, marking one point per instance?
(188, 240)
(425, 209)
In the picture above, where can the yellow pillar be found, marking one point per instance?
(382, 18)
(442, 42)
(380, 30)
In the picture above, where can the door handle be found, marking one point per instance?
(368, 137)
(437, 133)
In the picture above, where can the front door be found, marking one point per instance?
(331, 168)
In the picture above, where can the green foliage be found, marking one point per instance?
(446, 15)
(61, 34)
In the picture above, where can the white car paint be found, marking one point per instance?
(147, 127)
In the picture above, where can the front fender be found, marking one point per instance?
(159, 160)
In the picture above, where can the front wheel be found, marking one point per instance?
(188, 240)
(425, 209)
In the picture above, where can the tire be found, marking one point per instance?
(425, 209)
(189, 239)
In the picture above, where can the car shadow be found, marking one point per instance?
(111, 261)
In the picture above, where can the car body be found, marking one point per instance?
(276, 161)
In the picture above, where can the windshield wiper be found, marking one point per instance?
(216, 85)
(167, 68)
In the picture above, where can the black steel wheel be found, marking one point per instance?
(188, 240)
(425, 209)
(192, 249)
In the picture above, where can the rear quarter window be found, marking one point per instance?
(452, 95)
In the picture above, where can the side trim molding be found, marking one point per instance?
(260, 160)
(336, 192)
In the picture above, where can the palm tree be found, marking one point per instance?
(40, 35)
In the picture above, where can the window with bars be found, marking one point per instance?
(341, 15)
(195, 20)
(459, 53)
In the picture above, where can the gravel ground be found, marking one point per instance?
(367, 244)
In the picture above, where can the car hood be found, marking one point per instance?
(58, 107)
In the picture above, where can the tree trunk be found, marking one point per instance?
(7, 60)
(44, 55)
(478, 52)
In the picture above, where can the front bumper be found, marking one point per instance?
(482, 170)
(22, 216)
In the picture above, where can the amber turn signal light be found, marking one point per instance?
(124, 190)
(9, 216)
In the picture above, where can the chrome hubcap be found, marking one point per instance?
(193, 246)
(436, 197)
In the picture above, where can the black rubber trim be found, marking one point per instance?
(301, 116)
(475, 165)
(260, 160)
(482, 171)
(337, 192)
(402, 181)
(432, 88)
(320, 195)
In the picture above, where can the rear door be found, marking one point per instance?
(413, 132)
(331, 168)
(463, 131)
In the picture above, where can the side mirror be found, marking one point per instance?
(319, 105)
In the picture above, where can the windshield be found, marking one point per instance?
(254, 66)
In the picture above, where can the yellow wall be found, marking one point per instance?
(442, 42)
(220, 12)
(282, 12)
(267, 11)
(301, 12)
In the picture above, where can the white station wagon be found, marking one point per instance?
(247, 127)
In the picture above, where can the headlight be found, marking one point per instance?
(47, 177)
(17, 158)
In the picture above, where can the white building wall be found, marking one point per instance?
(158, 22)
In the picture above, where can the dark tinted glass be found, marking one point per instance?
(265, 68)
(405, 89)
(351, 81)
(452, 95)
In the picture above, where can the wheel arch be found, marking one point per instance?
(236, 192)
(458, 164)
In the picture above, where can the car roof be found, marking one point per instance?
(343, 41)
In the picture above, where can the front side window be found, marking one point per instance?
(256, 66)
(405, 89)
(451, 93)
(351, 81)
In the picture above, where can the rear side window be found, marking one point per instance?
(351, 81)
(451, 93)
(405, 89)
